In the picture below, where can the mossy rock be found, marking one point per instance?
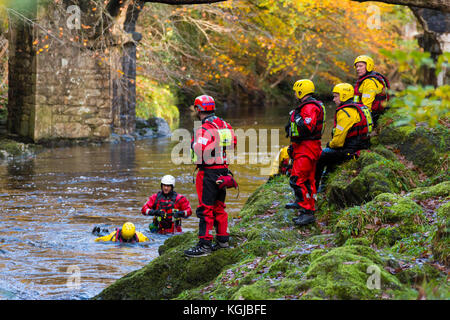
(419, 273)
(171, 273)
(271, 195)
(383, 221)
(361, 180)
(426, 147)
(11, 148)
(438, 190)
(345, 273)
(272, 276)
(419, 148)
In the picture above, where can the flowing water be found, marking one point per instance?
(50, 203)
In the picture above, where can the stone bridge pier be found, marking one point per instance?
(71, 71)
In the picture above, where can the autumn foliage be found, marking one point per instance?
(262, 45)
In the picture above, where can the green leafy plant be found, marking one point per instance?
(154, 100)
(420, 103)
(423, 104)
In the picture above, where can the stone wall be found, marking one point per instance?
(59, 87)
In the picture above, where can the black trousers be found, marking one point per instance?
(330, 159)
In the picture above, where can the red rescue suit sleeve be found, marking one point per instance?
(182, 204)
(203, 141)
(149, 204)
(309, 114)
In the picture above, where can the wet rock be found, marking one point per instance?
(152, 128)
(160, 126)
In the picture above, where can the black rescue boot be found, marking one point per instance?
(220, 245)
(307, 217)
(203, 248)
(292, 205)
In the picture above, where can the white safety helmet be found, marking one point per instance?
(168, 180)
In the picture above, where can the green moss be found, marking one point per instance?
(426, 147)
(272, 195)
(382, 221)
(345, 273)
(438, 190)
(361, 180)
(11, 148)
(440, 244)
(168, 275)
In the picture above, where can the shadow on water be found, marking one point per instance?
(50, 203)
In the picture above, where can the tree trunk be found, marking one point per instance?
(124, 86)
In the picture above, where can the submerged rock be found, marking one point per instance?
(152, 128)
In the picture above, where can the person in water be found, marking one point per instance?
(127, 234)
(167, 208)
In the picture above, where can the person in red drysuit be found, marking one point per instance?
(167, 207)
(210, 144)
(305, 131)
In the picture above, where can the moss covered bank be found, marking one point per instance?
(381, 233)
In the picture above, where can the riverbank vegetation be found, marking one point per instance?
(154, 100)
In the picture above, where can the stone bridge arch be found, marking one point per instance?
(71, 70)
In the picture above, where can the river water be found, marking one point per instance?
(50, 203)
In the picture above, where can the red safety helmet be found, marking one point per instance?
(205, 103)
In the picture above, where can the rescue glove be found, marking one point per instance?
(178, 214)
(154, 212)
(226, 182)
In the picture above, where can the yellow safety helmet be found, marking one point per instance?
(128, 230)
(303, 87)
(368, 60)
(345, 91)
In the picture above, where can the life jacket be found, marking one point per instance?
(358, 135)
(318, 130)
(381, 98)
(166, 204)
(118, 237)
(224, 132)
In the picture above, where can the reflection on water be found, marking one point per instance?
(50, 203)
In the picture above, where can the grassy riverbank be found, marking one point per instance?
(382, 233)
